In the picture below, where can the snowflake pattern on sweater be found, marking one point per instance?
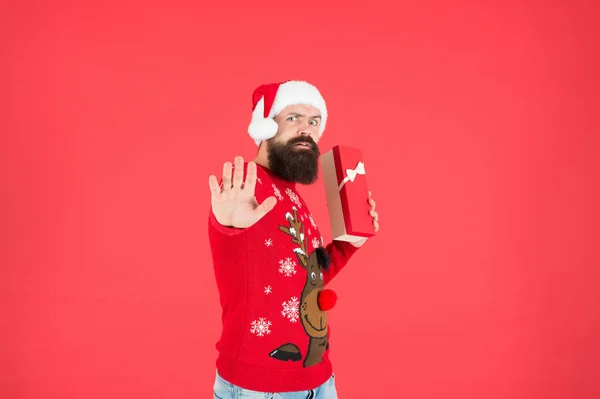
(287, 267)
(260, 327)
(291, 309)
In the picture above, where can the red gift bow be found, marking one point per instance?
(351, 174)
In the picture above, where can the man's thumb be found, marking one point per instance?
(267, 205)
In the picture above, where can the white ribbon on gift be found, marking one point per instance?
(352, 173)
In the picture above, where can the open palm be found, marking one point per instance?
(234, 204)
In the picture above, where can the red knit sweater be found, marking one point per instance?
(275, 337)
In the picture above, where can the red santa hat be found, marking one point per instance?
(268, 100)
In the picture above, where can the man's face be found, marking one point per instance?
(293, 152)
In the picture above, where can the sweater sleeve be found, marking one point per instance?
(340, 253)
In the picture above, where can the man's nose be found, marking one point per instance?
(305, 129)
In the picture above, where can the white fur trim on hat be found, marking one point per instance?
(292, 92)
(261, 128)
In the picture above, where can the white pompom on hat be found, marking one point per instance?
(268, 100)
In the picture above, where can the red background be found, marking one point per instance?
(478, 123)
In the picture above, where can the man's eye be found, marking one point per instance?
(292, 118)
(313, 122)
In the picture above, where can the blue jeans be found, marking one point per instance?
(226, 390)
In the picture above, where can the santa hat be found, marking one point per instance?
(268, 100)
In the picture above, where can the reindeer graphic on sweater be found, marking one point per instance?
(313, 300)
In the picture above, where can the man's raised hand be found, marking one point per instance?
(234, 204)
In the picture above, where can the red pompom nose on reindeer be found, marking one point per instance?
(327, 300)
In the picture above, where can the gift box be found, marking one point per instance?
(345, 180)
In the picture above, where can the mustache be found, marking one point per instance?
(303, 139)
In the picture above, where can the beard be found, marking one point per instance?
(300, 165)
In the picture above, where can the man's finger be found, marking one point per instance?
(250, 183)
(213, 184)
(238, 172)
(227, 176)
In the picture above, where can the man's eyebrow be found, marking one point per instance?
(302, 115)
